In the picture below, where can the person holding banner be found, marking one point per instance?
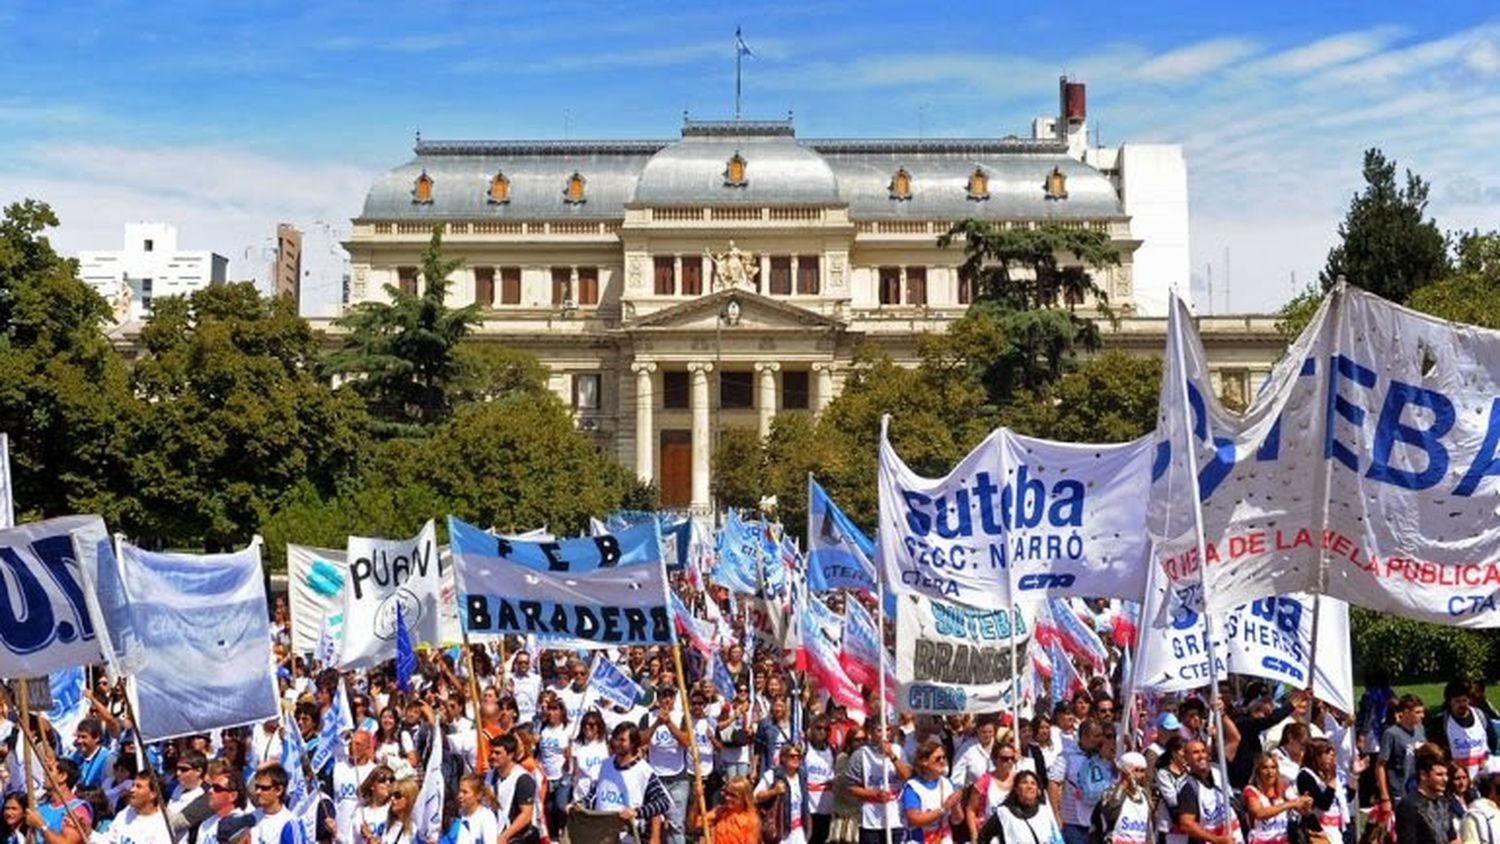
(1203, 808)
(627, 786)
(64, 819)
(1272, 805)
(875, 776)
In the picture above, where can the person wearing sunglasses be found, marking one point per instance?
(226, 801)
(191, 766)
(992, 788)
(274, 822)
(374, 805)
(929, 802)
(401, 823)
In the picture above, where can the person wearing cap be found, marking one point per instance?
(1167, 726)
(1123, 813)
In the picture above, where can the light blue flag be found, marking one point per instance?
(612, 684)
(839, 555)
(293, 757)
(69, 707)
(739, 552)
(202, 626)
(336, 721)
(722, 681)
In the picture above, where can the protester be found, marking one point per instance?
(734, 820)
(374, 806)
(785, 788)
(401, 821)
(1396, 771)
(1022, 818)
(13, 826)
(1123, 813)
(1272, 804)
(1319, 781)
(992, 788)
(142, 821)
(929, 800)
(64, 818)
(515, 793)
(876, 774)
(228, 804)
(274, 821)
(1423, 815)
(627, 785)
(1466, 732)
(475, 822)
(1203, 810)
(553, 746)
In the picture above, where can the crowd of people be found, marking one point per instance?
(530, 753)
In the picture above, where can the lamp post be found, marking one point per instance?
(729, 314)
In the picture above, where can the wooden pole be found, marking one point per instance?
(146, 768)
(57, 785)
(687, 718)
(24, 693)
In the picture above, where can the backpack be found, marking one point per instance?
(773, 814)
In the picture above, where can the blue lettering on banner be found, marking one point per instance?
(1282, 667)
(28, 620)
(1461, 605)
(924, 697)
(1026, 504)
(592, 623)
(1045, 580)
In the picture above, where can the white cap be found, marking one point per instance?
(1132, 760)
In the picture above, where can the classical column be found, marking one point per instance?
(645, 428)
(701, 456)
(824, 390)
(765, 403)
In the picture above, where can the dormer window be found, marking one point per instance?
(421, 192)
(573, 193)
(499, 190)
(1057, 184)
(979, 184)
(900, 186)
(734, 172)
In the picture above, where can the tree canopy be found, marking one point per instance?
(1387, 243)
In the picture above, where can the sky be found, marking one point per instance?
(225, 118)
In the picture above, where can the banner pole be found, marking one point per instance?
(33, 747)
(885, 766)
(481, 743)
(687, 720)
(1175, 333)
(140, 748)
(24, 693)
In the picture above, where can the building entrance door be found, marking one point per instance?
(676, 468)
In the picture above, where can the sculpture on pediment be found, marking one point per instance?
(734, 268)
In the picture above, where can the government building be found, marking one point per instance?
(674, 288)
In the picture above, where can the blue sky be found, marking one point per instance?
(226, 117)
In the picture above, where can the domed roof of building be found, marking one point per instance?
(777, 170)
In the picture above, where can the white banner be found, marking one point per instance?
(1054, 518)
(46, 621)
(1364, 467)
(384, 573)
(1270, 638)
(315, 591)
(201, 621)
(952, 658)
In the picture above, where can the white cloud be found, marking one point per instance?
(1472, 48)
(1184, 64)
(1325, 52)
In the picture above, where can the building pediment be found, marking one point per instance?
(739, 309)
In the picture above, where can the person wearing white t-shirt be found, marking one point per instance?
(818, 769)
(141, 822)
(374, 806)
(226, 799)
(515, 795)
(787, 780)
(525, 686)
(475, 822)
(554, 742)
(348, 775)
(929, 801)
(274, 822)
(588, 752)
(974, 756)
(626, 783)
(667, 752)
(875, 776)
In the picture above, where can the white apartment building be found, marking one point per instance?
(149, 266)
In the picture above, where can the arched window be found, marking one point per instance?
(1057, 184)
(734, 171)
(499, 189)
(573, 193)
(900, 186)
(421, 192)
(979, 184)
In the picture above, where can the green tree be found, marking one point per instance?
(1108, 398)
(1387, 244)
(403, 356)
(65, 398)
(1471, 293)
(233, 417)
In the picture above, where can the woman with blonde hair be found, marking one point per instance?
(475, 822)
(1272, 805)
(735, 820)
(374, 805)
(400, 822)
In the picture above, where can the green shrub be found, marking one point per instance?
(1412, 651)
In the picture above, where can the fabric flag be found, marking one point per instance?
(740, 46)
(700, 634)
(293, 755)
(69, 706)
(329, 641)
(1125, 625)
(337, 720)
(305, 808)
(384, 574)
(739, 557)
(591, 592)
(1041, 663)
(50, 622)
(406, 656)
(839, 555)
(722, 681)
(1017, 515)
(860, 656)
(676, 532)
(1076, 637)
(201, 620)
(607, 681)
(1065, 679)
(822, 635)
(315, 592)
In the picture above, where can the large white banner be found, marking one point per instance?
(315, 591)
(1018, 516)
(1270, 637)
(46, 623)
(1363, 470)
(952, 658)
(385, 573)
(591, 592)
(206, 639)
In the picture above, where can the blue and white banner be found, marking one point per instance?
(839, 555)
(1364, 470)
(609, 682)
(337, 720)
(69, 706)
(46, 622)
(823, 641)
(952, 658)
(723, 683)
(591, 592)
(676, 532)
(202, 624)
(740, 556)
(1018, 516)
(385, 573)
(315, 593)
